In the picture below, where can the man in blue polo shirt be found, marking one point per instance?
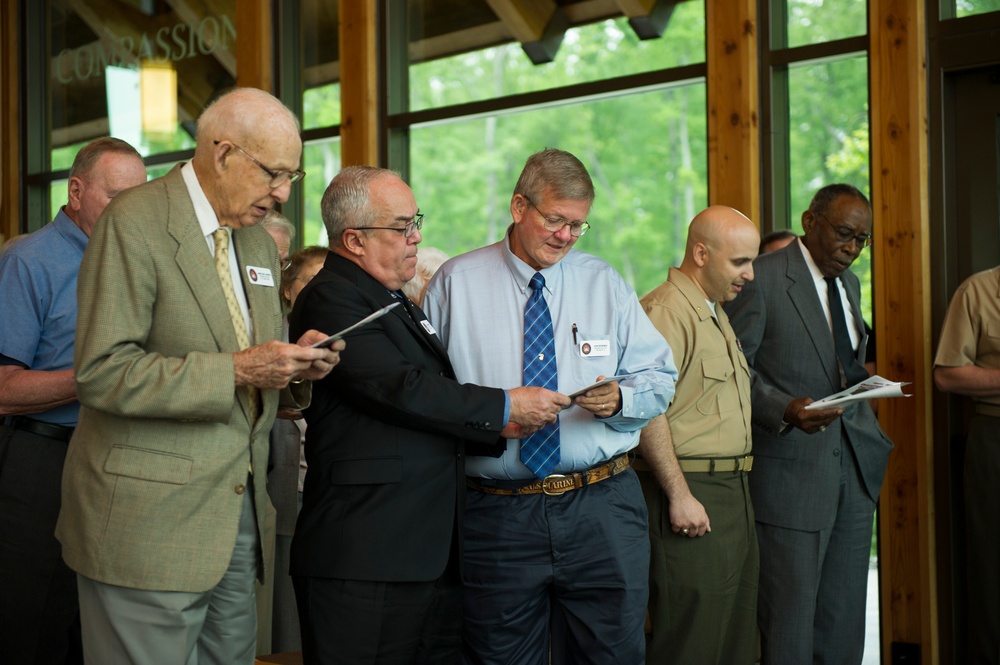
(39, 614)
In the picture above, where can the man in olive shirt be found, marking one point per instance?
(703, 583)
(968, 363)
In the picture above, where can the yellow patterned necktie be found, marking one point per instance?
(221, 237)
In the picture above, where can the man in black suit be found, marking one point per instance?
(376, 551)
(817, 473)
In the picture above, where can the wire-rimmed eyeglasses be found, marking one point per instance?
(278, 176)
(846, 235)
(411, 227)
(556, 224)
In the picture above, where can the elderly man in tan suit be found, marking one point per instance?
(180, 373)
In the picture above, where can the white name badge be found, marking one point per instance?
(260, 276)
(428, 327)
(595, 348)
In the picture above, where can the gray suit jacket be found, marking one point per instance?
(787, 341)
(154, 475)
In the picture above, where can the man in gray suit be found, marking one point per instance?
(179, 372)
(817, 473)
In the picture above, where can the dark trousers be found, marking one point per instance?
(814, 584)
(39, 613)
(982, 477)
(398, 623)
(703, 591)
(569, 572)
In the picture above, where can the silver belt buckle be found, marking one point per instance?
(552, 492)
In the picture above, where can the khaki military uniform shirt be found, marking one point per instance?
(971, 331)
(710, 413)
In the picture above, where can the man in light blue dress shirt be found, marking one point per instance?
(560, 562)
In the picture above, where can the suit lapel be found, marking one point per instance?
(195, 262)
(353, 272)
(417, 325)
(854, 298)
(805, 299)
(260, 299)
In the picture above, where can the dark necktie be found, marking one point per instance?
(853, 372)
(400, 296)
(540, 451)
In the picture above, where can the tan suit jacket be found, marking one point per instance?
(154, 475)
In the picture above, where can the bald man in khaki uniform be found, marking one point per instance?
(968, 363)
(703, 582)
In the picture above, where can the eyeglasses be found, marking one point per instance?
(278, 177)
(846, 235)
(556, 224)
(412, 226)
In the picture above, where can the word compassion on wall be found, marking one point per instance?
(183, 40)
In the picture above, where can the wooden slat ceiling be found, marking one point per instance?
(438, 28)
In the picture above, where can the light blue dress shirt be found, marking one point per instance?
(38, 292)
(476, 303)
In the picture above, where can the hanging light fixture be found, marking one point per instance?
(158, 96)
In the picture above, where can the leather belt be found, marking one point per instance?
(552, 485)
(706, 464)
(48, 430)
(984, 409)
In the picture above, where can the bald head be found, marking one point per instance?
(247, 140)
(721, 246)
(244, 115)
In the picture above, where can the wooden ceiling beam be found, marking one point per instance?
(648, 18)
(538, 24)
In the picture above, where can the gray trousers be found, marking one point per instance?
(217, 627)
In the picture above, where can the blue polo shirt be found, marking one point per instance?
(38, 310)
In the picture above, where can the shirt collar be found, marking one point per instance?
(814, 270)
(68, 229)
(203, 210)
(703, 307)
(523, 273)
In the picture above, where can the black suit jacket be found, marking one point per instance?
(384, 443)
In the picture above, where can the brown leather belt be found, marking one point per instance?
(706, 464)
(552, 485)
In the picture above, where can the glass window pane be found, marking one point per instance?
(321, 106)
(818, 21)
(828, 140)
(321, 160)
(141, 72)
(320, 52)
(589, 53)
(970, 7)
(648, 187)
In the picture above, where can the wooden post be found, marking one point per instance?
(254, 44)
(359, 91)
(901, 260)
(733, 132)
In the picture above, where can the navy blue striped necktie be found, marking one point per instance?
(540, 451)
